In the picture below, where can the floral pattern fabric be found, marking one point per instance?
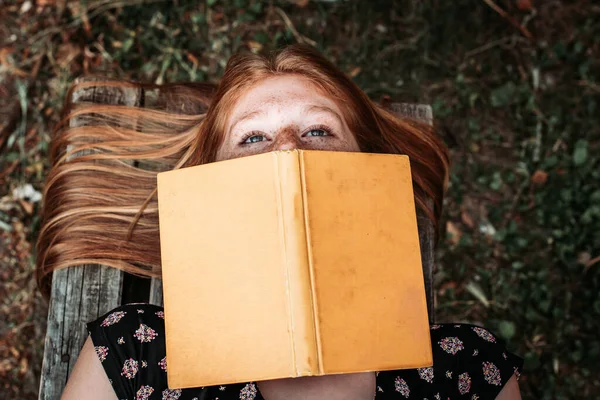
(469, 362)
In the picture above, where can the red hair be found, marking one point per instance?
(101, 207)
(377, 130)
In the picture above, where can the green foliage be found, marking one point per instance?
(520, 116)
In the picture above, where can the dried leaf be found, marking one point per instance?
(446, 286)
(467, 219)
(254, 46)
(454, 231)
(27, 191)
(192, 58)
(67, 52)
(27, 206)
(539, 177)
(478, 293)
(525, 5)
(26, 6)
(23, 366)
(590, 263)
(584, 257)
(355, 71)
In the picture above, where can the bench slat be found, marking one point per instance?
(83, 293)
(426, 231)
(79, 295)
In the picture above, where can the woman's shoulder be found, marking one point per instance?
(130, 344)
(127, 312)
(128, 328)
(457, 346)
(467, 359)
(469, 332)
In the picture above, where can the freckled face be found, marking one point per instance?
(285, 113)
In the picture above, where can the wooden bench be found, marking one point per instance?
(83, 293)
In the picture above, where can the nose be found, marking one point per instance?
(287, 139)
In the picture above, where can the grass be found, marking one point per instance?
(515, 91)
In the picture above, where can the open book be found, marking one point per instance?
(291, 263)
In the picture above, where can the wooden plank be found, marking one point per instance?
(414, 111)
(156, 293)
(83, 293)
(54, 371)
(426, 230)
(79, 295)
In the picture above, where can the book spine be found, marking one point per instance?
(301, 325)
(309, 264)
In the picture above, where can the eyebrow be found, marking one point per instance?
(312, 108)
(316, 108)
(245, 116)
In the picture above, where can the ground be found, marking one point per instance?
(514, 86)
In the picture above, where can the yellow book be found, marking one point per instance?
(291, 263)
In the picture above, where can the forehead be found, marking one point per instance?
(280, 91)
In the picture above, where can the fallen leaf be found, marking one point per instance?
(23, 366)
(467, 219)
(584, 257)
(478, 293)
(539, 177)
(192, 58)
(446, 286)
(67, 52)
(26, 7)
(487, 228)
(525, 5)
(27, 206)
(454, 231)
(4, 53)
(354, 72)
(27, 191)
(590, 263)
(254, 46)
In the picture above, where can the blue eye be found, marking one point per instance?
(254, 139)
(317, 132)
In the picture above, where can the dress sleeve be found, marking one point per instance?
(125, 340)
(473, 360)
(469, 362)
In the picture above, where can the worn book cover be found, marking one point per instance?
(291, 263)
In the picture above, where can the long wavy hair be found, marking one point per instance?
(100, 204)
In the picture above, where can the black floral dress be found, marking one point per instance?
(469, 362)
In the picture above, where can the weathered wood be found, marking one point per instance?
(156, 293)
(79, 295)
(426, 230)
(83, 293)
(414, 111)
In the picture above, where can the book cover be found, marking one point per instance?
(291, 263)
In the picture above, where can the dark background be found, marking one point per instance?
(514, 86)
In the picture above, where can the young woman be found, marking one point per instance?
(293, 99)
